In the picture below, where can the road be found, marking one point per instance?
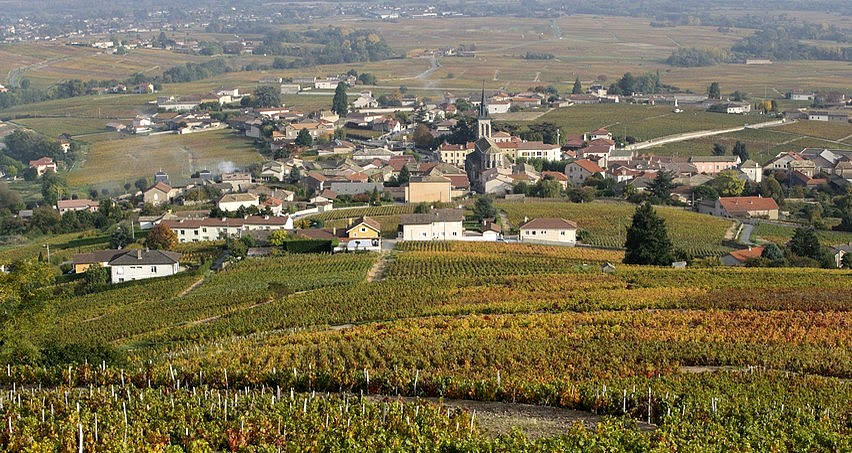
(699, 134)
(745, 234)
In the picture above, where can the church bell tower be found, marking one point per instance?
(484, 121)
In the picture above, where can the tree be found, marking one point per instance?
(267, 96)
(770, 187)
(647, 239)
(161, 237)
(661, 187)
(547, 187)
(277, 238)
(53, 188)
(806, 243)
(578, 87)
(340, 103)
(713, 91)
(704, 192)
(422, 137)
(95, 278)
(846, 262)
(740, 150)
(719, 149)
(771, 251)
(728, 183)
(367, 79)
(404, 175)
(484, 208)
(141, 184)
(304, 138)
(120, 238)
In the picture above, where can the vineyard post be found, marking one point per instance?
(624, 402)
(649, 404)
(498, 378)
(416, 376)
(96, 427)
(80, 436)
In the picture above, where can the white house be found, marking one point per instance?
(234, 201)
(142, 264)
(538, 150)
(752, 170)
(207, 229)
(549, 231)
(438, 225)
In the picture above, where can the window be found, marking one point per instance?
(363, 229)
(154, 269)
(204, 230)
(562, 233)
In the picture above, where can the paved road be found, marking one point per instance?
(700, 134)
(745, 234)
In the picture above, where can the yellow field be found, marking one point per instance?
(114, 162)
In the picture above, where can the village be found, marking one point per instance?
(319, 172)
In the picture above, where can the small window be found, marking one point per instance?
(562, 233)
(363, 229)
(154, 269)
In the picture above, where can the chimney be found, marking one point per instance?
(334, 231)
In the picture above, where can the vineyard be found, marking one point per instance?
(302, 353)
(607, 223)
(781, 234)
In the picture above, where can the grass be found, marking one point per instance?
(641, 121)
(53, 127)
(607, 223)
(114, 162)
(781, 234)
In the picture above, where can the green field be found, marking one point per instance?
(643, 122)
(607, 222)
(126, 158)
(781, 234)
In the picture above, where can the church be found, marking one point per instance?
(487, 159)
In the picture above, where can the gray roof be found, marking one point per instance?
(143, 257)
(437, 215)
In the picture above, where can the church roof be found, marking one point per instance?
(487, 145)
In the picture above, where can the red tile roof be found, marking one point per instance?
(559, 176)
(747, 204)
(746, 254)
(589, 166)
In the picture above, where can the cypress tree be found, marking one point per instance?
(647, 239)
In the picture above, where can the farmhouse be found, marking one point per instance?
(579, 170)
(741, 207)
(234, 201)
(43, 165)
(712, 165)
(82, 204)
(82, 261)
(438, 225)
(143, 264)
(549, 231)
(428, 189)
(364, 234)
(208, 229)
(159, 193)
(739, 257)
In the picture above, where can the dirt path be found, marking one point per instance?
(191, 287)
(497, 418)
(379, 270)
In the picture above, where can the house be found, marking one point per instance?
(841, 251)
(237, 180)
(752, 171)
(739, 257)
(274, 171)
(210, 229)
(364, 234)
(712, 165)
(549, 231)
(82, 261)
(579, 170)
(437, 225)
(82, 204)
(428, 189)
(316, 129)
(365, 100)
(158, 194)
(538, 150)
(315, 181)
(741, 207)
(234, 201)
(43, 165)
(142, 264)
(781, 161)
(601, 133)
(558, 176)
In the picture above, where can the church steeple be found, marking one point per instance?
(484, 121)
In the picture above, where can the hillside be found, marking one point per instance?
(719, 357)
